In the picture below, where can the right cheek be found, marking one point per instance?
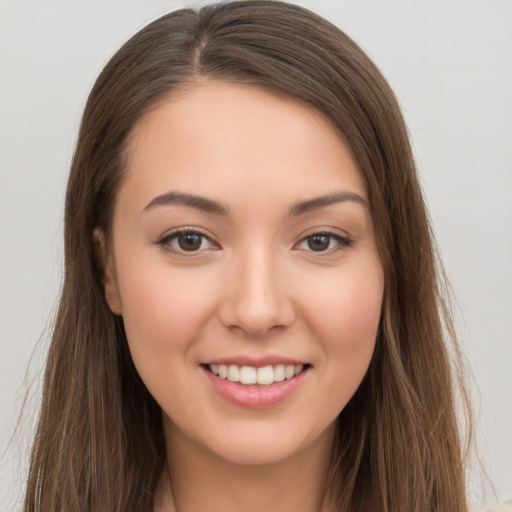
(168, 304)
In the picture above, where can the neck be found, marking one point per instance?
(196, 480)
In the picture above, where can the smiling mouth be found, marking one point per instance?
(251, 376)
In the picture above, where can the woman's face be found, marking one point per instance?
(243, 249)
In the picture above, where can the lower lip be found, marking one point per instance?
(255, 396)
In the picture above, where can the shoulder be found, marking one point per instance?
(502, 507)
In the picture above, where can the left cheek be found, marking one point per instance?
(346, 314)
(346, 324)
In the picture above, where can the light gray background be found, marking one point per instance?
(450, 63)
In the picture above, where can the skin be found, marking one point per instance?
(254, 288)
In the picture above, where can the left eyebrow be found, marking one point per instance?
(323, 201)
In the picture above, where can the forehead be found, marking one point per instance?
(215, 136)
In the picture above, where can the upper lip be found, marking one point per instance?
(256, 362)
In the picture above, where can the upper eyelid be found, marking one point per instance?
(177, 231)
(331, 234)
(325, 231)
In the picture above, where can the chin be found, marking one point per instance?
(260, 453)
(259, 445)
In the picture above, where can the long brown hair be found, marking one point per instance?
(99, 443)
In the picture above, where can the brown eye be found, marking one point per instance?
(186, 241)
(324, 242)
(189, 241)
(319, 242)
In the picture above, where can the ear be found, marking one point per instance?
(111, 289)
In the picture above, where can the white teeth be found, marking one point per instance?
(264, 376)
(233, 373)
(279, 372)
(248, 375)
(289, 372)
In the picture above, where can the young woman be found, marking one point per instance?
(252, 314)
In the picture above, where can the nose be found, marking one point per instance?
(256, 298)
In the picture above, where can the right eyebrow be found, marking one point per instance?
(198, 202)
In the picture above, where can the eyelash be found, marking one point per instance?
(343, 242)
